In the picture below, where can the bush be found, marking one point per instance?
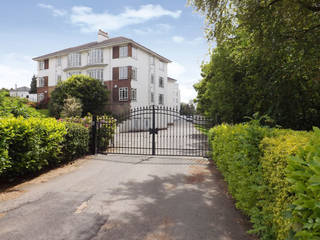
(254, 161)
(29, 145)
(76, 143)
(72, 108)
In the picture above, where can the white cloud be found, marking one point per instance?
(55, 12)
(178, 39)
(156, 29)
(90, 21)
(16, 69)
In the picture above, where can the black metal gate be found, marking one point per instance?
(159, 130)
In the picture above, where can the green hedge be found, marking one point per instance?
(30, 145)
(265, 169)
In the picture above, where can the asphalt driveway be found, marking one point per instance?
(126, 197)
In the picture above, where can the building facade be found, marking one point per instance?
(134, 75)
(23, 92)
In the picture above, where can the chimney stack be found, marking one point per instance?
(102, 36)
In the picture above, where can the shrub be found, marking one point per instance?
(76, 141)
(256, 162)
(72, 108)
(29, 145)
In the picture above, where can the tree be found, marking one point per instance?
(72, 107)
(266, 61)
(91, 92)
(33, 85)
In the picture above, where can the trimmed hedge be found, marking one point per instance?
(30, 145)
(271, 174)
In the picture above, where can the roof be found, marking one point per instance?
(106, 43)
(21, 89)
(172, 79)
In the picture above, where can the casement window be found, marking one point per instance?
(96, 73)
(40, 97)
(152, 78)
(74, 60)
(41, 82)
(123, 51)
(161, 99)
(74, 73)
(133, 94)
(152, 97)
(152, 60)
(123, 94)
(161, 65)
(134, 73)
(58, 61)
(41, 65)
(134, 53)
(123, 72)
(95, 56)
(161, 83)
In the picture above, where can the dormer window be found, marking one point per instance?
(95, 56)
(74, 60)
(123, 51)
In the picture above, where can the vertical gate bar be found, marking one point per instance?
(153, 131)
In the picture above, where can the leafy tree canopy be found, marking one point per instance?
(266, 60)
(91, 92)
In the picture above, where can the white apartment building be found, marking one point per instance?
(134, 75)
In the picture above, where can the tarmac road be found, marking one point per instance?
(126, 197)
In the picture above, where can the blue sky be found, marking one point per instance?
(32, 28)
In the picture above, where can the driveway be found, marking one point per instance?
(126, 197)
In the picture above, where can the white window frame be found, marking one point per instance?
(161, 82)
(95, 56)
(152, 60)
(70, 74)
(152, 97)
(96, 73)
(134, 53)
(59, 78)
(123, 51)
(134, 73)
(123, 94)
(123, 73)
(41, 65)
(161, 97)
(40, 82)
(74, 59)
(58, 61)
(133, 94)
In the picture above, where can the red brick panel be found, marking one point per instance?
(115, 73)
(115, 52)
(46, 81)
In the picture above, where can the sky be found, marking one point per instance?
(33, 28)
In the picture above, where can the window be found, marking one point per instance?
(123, 72)
(134, 73)
(40, 97)
(41, 65)
(123, 94)
(152, 60)
(152, 78)
(74, 60)
(123, 51)
(161, 99)
(95, 56)
(152, 97)
(134, 53)
(46, 64)
(161, 65)
(41, 82)
(133, 94)
(58, 61)
(96, 73)
(161, 84)
(73, 73)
